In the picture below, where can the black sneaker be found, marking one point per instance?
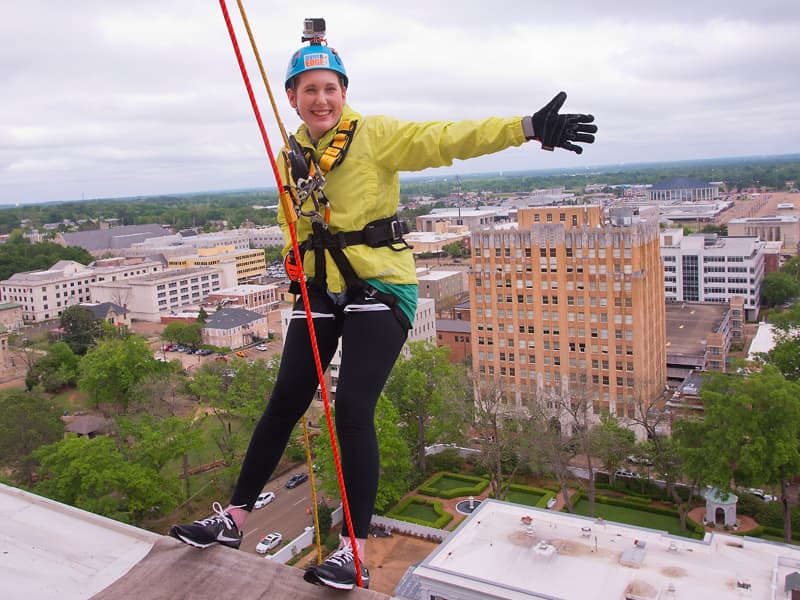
(338, 571)
(217, 529)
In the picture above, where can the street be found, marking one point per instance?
(286, 514)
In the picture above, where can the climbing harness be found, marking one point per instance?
(288, 204)
(309, 178)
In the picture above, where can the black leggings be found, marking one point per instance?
(372, 338)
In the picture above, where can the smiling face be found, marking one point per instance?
(318, 96)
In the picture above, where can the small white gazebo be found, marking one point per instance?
(721, 508)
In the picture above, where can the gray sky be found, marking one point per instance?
(119, 98)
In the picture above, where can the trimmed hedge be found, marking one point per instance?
(473, 486)
(444, 516)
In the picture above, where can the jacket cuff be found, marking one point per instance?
(527, 128)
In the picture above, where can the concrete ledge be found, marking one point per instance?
(174, 570)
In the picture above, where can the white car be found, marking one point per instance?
(761, 494)
(268, 542)
(625, 473)
(261, 347)
(264, 499)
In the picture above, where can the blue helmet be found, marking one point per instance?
(315, 56)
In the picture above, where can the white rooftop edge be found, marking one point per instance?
(495, 553)
(50, 550)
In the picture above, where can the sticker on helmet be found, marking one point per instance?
(317, 59)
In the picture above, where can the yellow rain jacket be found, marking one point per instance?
(365, 186)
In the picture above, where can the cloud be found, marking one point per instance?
(113, 99)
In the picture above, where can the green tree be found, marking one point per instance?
(55, 370)
(19, 255)
(778, 287)
(202, 315)
(792, 267)
(27, 421)
(611, 442)
(94, 475)
(502, 435)
(159, 393)
(785, 356)
(81, 328)
(456, 249)
(236, 395)
(249, 389)
(153, 442)
(430, 394)
(109, 371)
(749, 433)
(188, 334)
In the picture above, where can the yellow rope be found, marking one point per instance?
(309, 462)
(263, 73)
(313, 489)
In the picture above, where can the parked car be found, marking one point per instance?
(241, 354)
(268, 542)
(296, 480)
(261, 347)
(761, 494)
(379, 531)
(264, 499)
(625, 473)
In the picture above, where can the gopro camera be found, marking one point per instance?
(313, 30)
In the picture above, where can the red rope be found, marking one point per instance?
(303, 288)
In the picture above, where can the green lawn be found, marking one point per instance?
(446, 483)
(420, 511)
(526, 498)
(631, 516)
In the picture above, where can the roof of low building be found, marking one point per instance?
(102, 309)
(680, 183)
(113, 237)
(88, 424)
(229, 318)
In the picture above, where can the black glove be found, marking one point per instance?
(557, 131)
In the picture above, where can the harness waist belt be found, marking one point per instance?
(383, 232)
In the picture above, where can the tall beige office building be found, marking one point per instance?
(570, 304)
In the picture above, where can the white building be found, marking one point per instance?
(782, 228)
(473, 218)
(45, 294)
(265, 237)
(708, 268)
(441, 284)
(514, 552)
(683, 189)
(150, 297)
(258, 298)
